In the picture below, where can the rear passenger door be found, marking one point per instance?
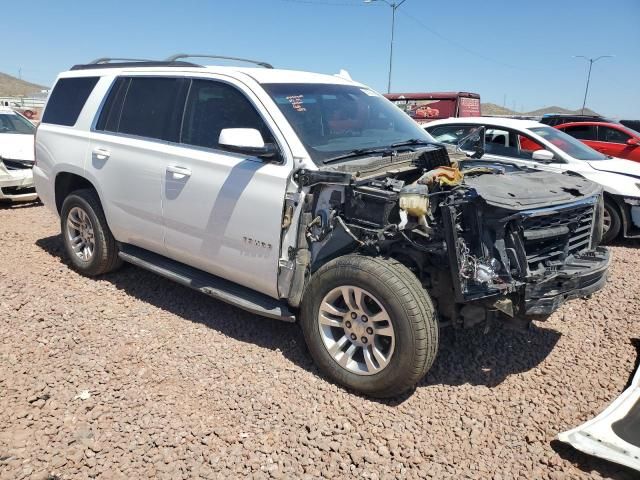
(223, 210)
(140, 118)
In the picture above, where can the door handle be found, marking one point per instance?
(101, 153)
(178, 171)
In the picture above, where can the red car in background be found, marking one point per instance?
(609, 138)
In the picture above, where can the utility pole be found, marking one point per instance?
(591, 62)
(394, 6)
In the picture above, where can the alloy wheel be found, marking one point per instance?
(80, 233)
(356, 330)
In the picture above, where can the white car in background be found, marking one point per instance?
(530, 143)
(16, 157)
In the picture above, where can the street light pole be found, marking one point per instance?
(394, 6)
(591, 62)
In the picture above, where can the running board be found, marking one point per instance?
(216, 287)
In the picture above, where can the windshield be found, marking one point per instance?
(12, 123)
(568, 144)
(332, 120)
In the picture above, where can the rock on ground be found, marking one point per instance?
(132, 376)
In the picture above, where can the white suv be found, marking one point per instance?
(299, 195)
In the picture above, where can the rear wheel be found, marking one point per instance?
(612, 222)
(88, 241)
(369, 325)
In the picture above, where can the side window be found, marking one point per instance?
(500, 142)
(109, 119)
(67, 99)
(213, 106)
(153, 108)
(612, 135)
(582, 132)
(527, 147)
(451, 134)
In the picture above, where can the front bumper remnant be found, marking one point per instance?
(17, 185)
(580, 276)
(614, 434)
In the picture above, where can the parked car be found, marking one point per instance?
(16, 157)
(553, 119)
(297, 195)
(611, 139)
(632, 124)
(530, 143)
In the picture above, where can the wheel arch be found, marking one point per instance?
(67, 182)
(623, 210)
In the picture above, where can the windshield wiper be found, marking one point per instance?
(358, 152)
(411, 141)
(386, 149)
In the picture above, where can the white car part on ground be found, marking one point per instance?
(614, 434)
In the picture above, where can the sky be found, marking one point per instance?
(513, 53)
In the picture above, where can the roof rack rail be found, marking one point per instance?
(179, 56)
(107, 62)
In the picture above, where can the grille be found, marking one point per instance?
(17, 164)
(556, 235)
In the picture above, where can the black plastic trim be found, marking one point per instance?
(216, 287)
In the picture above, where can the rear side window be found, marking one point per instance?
(451, 134)
(67, 99)
(582, 132)
(109, 119)
(153, 108)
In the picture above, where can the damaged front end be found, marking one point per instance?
(486, 240)
(16, 180)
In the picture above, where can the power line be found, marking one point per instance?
(453, 42)
(325, 3)
(359, 3)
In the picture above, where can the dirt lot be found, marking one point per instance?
(132, 376)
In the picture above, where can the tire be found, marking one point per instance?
(387, 290)
(615, 222)
(79, 209)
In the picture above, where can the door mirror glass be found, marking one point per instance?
(474, 142)
(246, 140)
(543, 156)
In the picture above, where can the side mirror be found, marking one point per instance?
(246, 140)
(543, 156)
(633, 142)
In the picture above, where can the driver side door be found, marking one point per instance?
(223, 210)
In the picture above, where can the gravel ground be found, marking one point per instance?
(132, 376)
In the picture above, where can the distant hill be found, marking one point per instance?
(493, 109)
(554, 109)
(12, 86)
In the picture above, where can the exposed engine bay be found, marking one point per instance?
(487, 240)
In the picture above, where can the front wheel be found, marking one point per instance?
(612, 222)
(369, 325)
